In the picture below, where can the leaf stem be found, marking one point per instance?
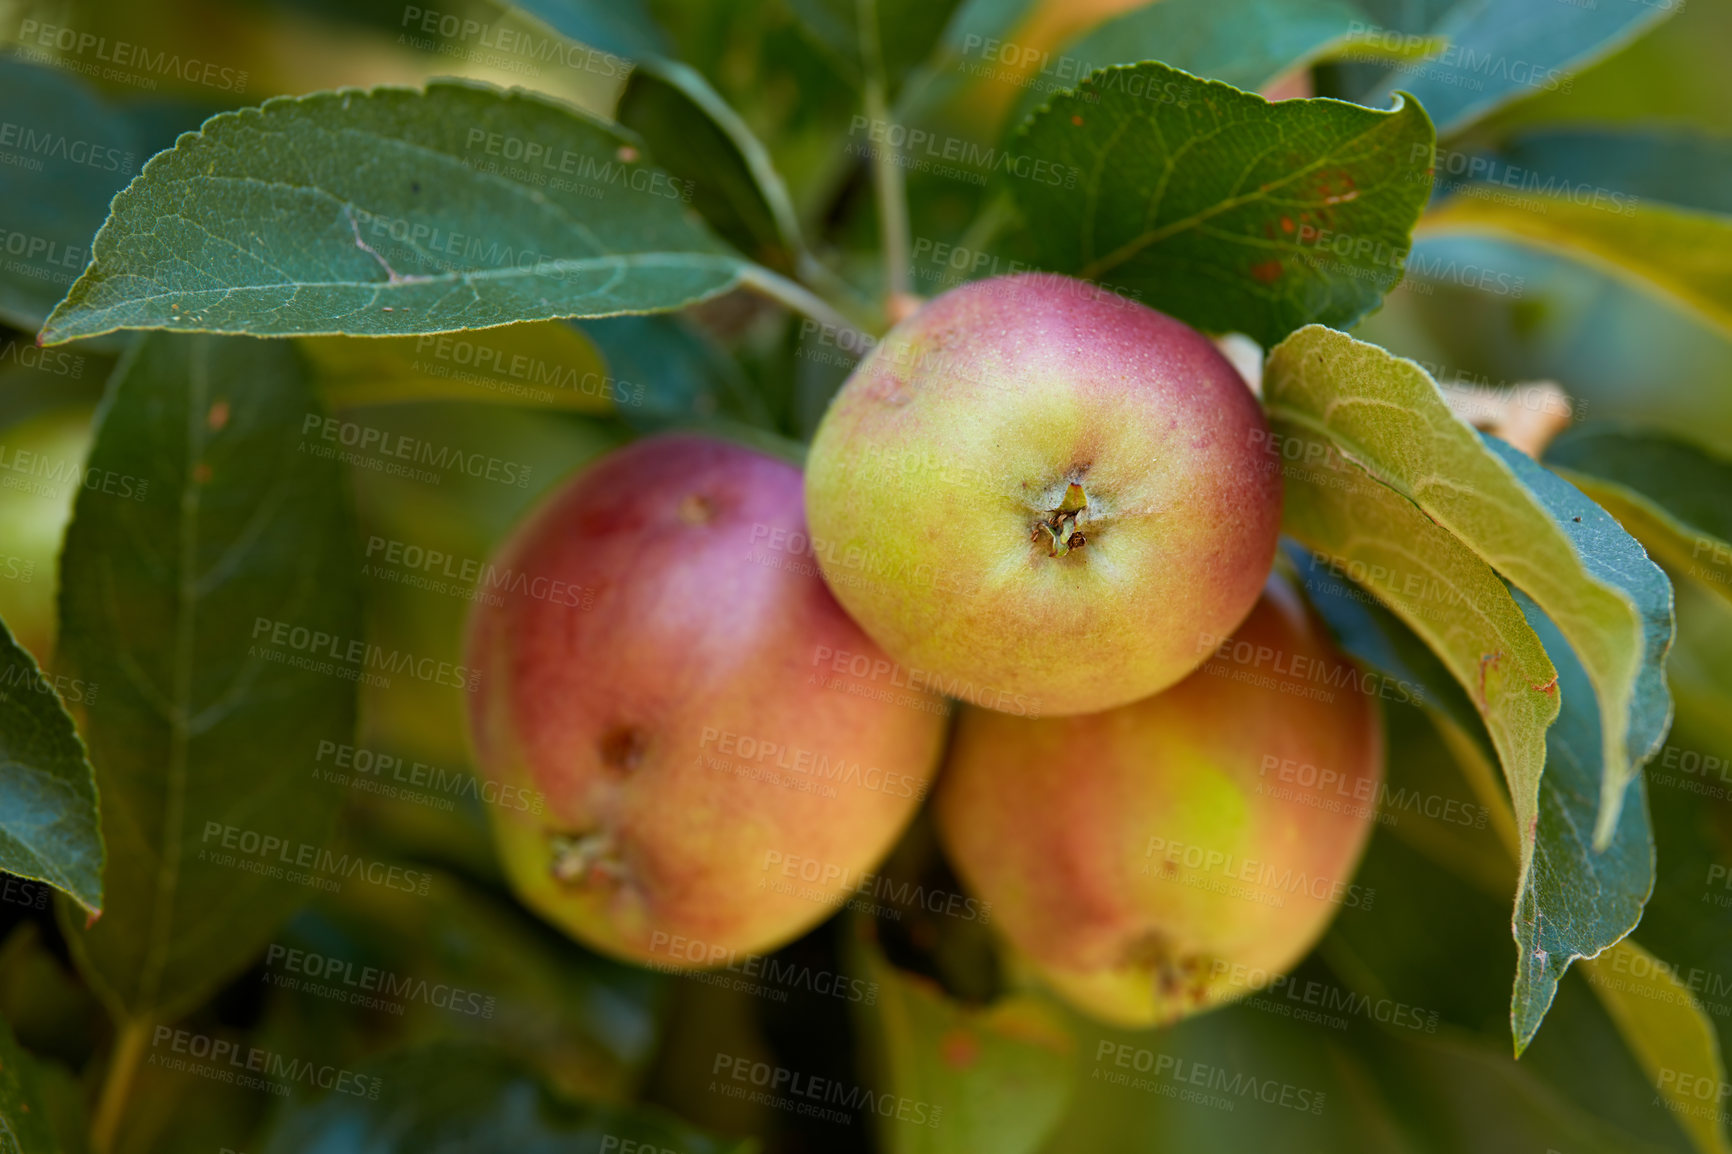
(803, 300)
(886, 172)
(117, 1083)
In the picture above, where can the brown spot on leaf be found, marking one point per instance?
(1267, 271)
(959, 1049)
(218, 416)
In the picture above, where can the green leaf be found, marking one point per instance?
(1607, 598)
(1227, 211)
(902, 33)
(726, 173)
(1685, 169)
(679, 372)
(69, 153)
(1666, 1028)
(25, 1127)
(474, 207)
(1682, 255)
(995, 1077)
(1432, 946)
(947, 74)
(456, 1097)
(1245, 43)
(1370, 632)
(1436, 585)
(204, 517)
(1502, 50)
(1672, 496)
(545, 363)
(469, 963)
(1572, 901)
(1447, 595)
(1690, 794)
(1612, 557)
(1576, 901)
(49, 831)
(690, 129)
(624, 27)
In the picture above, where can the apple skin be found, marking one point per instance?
(937, 474)
(1091, 835)
(666, 638)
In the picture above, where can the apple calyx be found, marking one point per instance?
(584, 859)
(1062, 525)
(1178, 979)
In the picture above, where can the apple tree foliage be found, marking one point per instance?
(778, 171)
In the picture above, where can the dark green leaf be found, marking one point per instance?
(679, 373)
(1686, 169)
(691, 131)
(1675, 498)
(1501, 50)
(1577, 901)
(624, 27)
(453, 1099)
(66, 154)
(24, 1120)
(48, 823)
(467, 963)
(1227, 211)
(726, 174)
(905, 33)
(1613, 559)
(1246, 43)
(203, 516)
(474, 207)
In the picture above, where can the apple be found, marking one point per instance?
(695, 753)
(1035, 489)
(1166, 856)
